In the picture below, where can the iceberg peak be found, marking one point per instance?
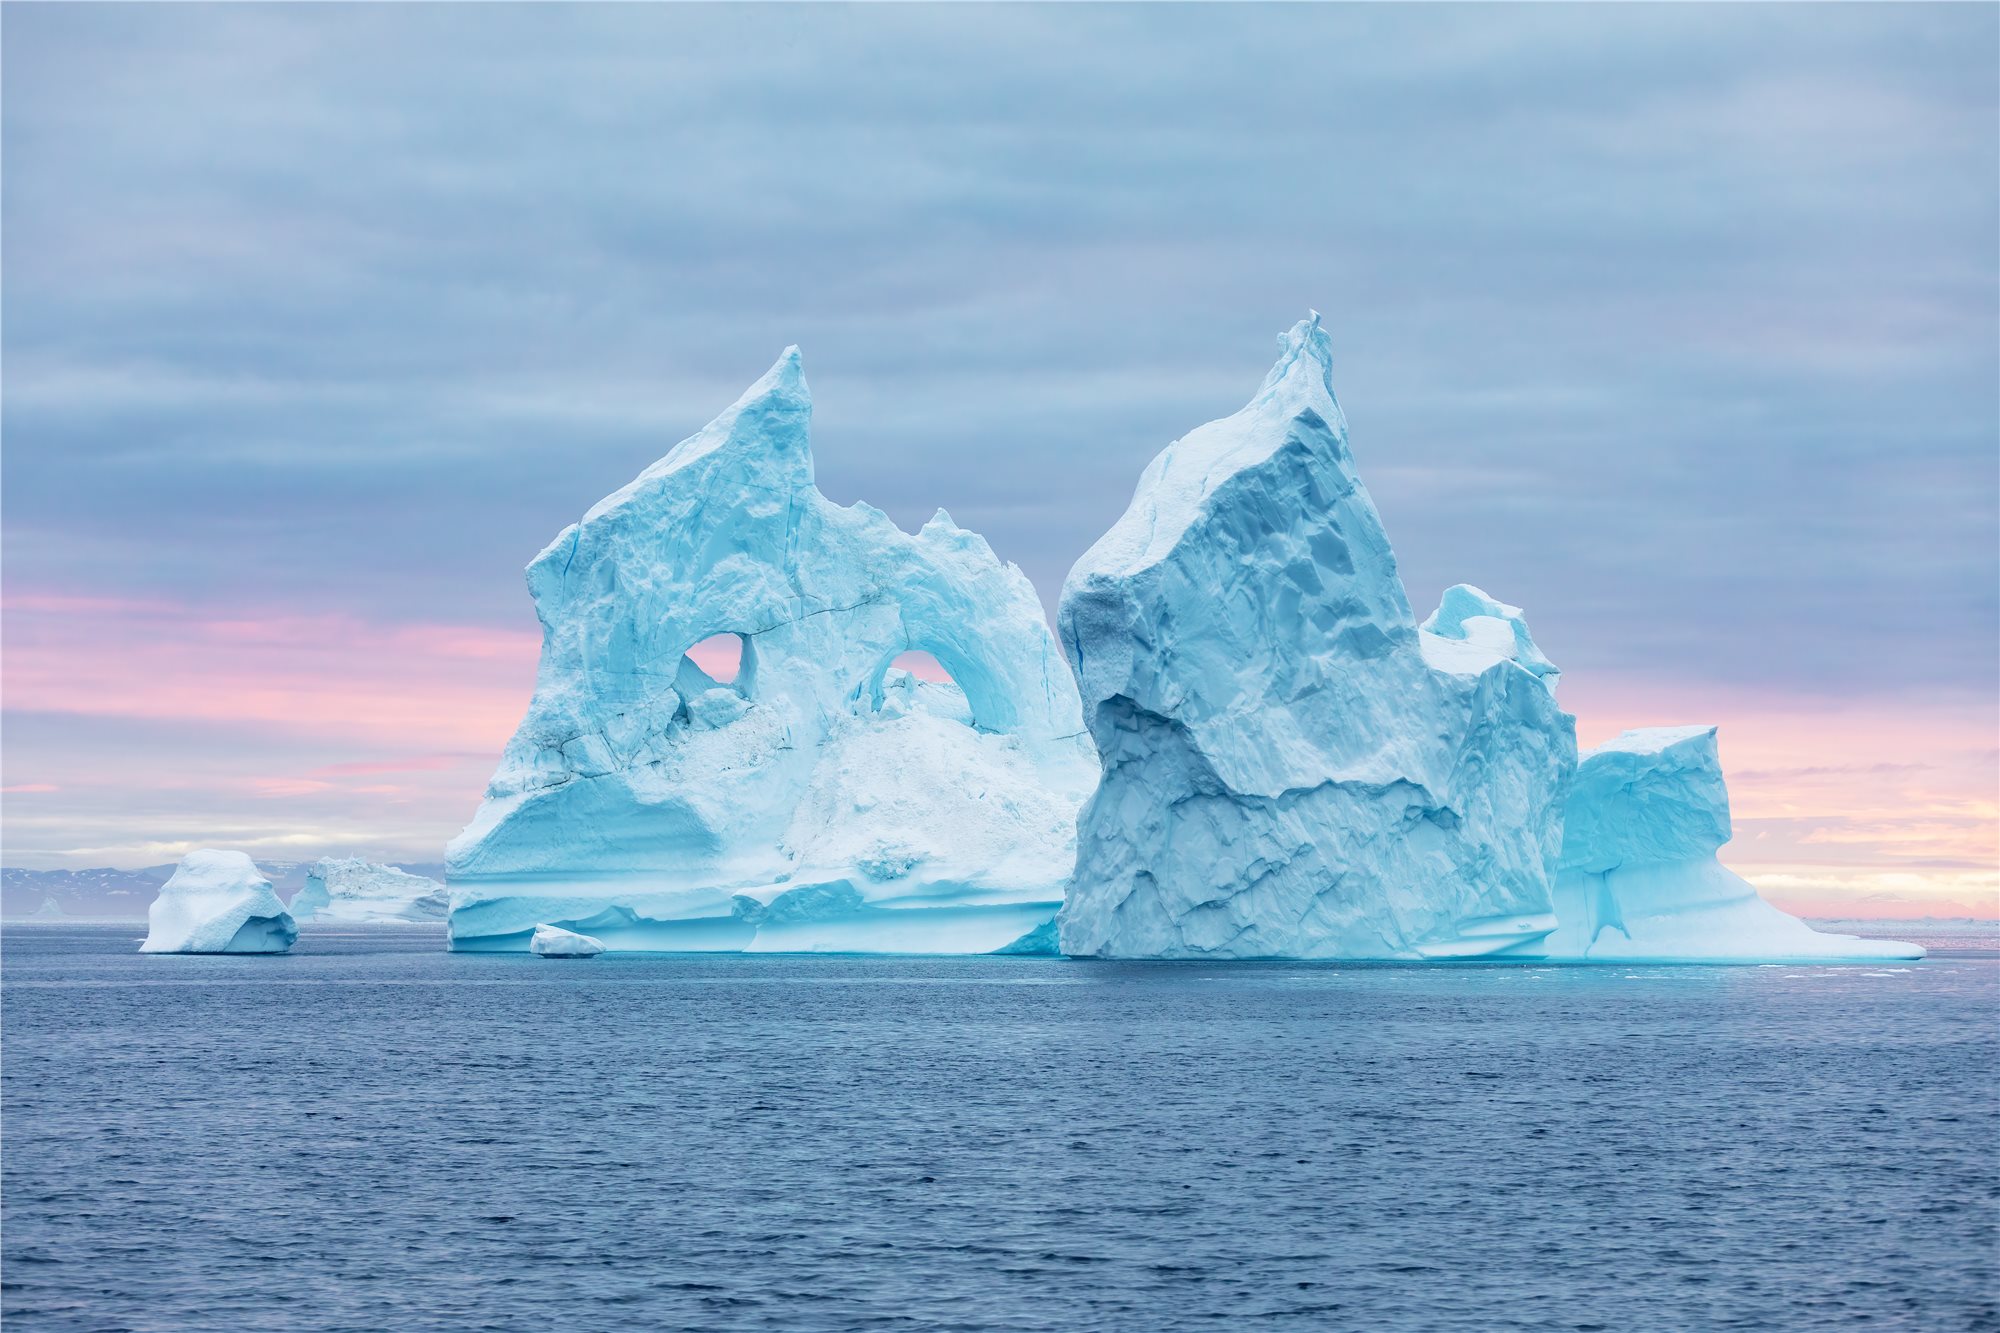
(1294, 413)
(1305, 356)
(760, 440)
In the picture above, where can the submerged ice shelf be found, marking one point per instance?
(811, 794)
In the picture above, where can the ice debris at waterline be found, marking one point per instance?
(1291, 766)
(218, 902)
(554, 942)
(1640, 879)
(821, 797)
(349, 889)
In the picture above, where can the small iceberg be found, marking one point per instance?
(1640, 880)
(555, 942)
(218, 902)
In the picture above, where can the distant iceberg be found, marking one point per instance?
(218, 902)
(1291, 767)
(1640, 879)
(812, 794)
(349, 889)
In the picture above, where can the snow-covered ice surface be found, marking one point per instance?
(1291, 767)
(554, 942)
(218, 902)
(822, 799)
(349, 889)
(1640, 880)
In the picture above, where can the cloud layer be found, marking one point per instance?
(1675, 325)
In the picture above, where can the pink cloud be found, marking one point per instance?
(413, 764)
(720, 655)
(66, 604)
(922, 665)
(430, 687)
(1877, 807)
(1842, 807)
(289, 786)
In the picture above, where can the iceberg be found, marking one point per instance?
(349, 889)
(552, 942)
(1291, 766)
(791, 785)
(1639, 876)
(218, 902)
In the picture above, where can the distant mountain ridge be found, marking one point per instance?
(104, 893)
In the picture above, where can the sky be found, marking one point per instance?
(1678, 326)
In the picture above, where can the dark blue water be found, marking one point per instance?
(373, 1135)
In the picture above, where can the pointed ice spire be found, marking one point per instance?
(764, 438)
(943, 531)
(769, 427)
(1303, 374)
(1308, 341)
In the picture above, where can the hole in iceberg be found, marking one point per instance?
(719, 657)
(914, 681)
(715, 679)
(923, 666)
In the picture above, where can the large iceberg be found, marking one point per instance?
(218, 902)
(1640, 879)
(1291, 766)
(349, 889)
(822, 798)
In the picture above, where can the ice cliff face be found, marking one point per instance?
(350, 889)
(217, 902)
(1290, 766)
(1640, 879)
(820, 799)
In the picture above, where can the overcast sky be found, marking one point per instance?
(1675, 325)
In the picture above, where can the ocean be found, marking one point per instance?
(372, 1134)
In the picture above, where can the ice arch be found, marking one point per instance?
(985, 697)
